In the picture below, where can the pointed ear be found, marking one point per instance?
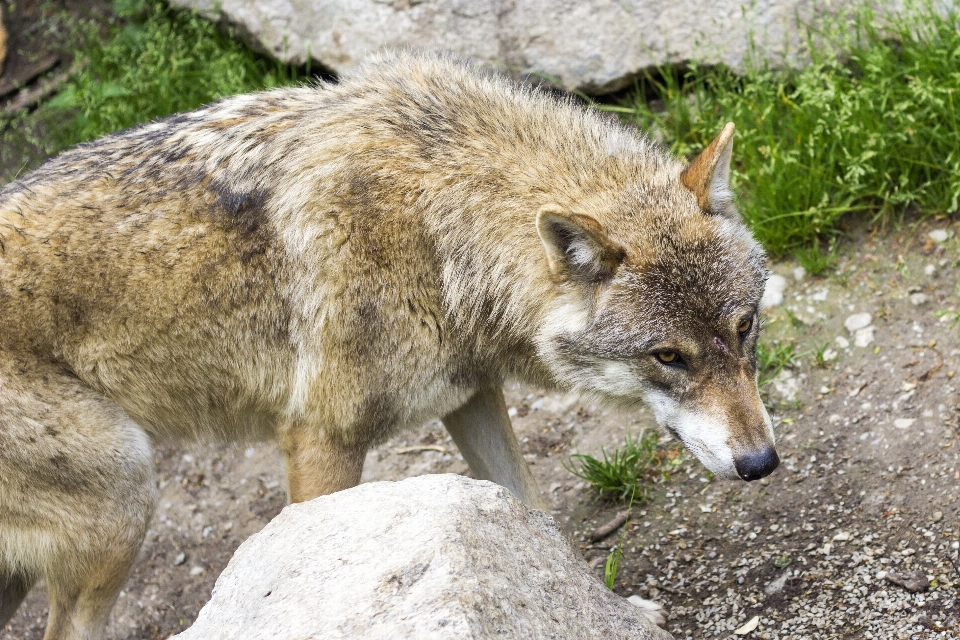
(577, 247)
(708, 176)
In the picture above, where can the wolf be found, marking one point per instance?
(325, 265)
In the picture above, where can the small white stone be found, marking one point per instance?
(180, 559)
(881, 575)
(842, 342)
(834, 418)
(939, 235)
(195, 571)
(799, 273)
(751, 624)
(249, 452)
(858, 321)
(917, 299)
(863, 337)
(903, 423)
(937, 516)
(773, 292)
(929, 269)
(841, 536)
(787, 385)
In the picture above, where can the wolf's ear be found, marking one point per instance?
(708, 176)
(577, 247)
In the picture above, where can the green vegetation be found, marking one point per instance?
(612, 564)
(630, 470)
(871, 127)
(772, 359)
(155, 61)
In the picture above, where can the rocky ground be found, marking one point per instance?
(854, 536)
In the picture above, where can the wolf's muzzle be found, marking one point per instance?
(758, 464)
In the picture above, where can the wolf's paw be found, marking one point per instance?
(651, 609)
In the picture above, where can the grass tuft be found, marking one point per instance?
(870, 127)
(771, 360)
(630, 470)
(154, 62)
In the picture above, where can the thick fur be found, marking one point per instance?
(326, 265)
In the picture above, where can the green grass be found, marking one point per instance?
(155, 61)
(870, 128)
(771, 360)
(630, 470)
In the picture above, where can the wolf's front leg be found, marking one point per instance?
(482, 430)
(318, 465)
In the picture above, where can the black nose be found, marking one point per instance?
(758, 464)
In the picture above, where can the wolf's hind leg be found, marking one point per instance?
(76, 494)
(482, 430)
(14, 587)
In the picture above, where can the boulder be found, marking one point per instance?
(438, 556)
(595, 46)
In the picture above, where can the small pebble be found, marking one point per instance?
(917, 299)
(863, 337)
(180, 559)
(939, 235)
(912, 581)
(857, 321)
(748, 627)
(773, 293)
(195, 571)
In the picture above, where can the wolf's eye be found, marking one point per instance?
(745, 325)
(667, 357)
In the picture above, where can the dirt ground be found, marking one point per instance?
(868, 485)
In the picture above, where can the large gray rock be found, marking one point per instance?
(438, 556)
(592, 45)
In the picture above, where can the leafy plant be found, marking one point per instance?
(823, 355)
(771, 360)
(155, 61)
(814, 259)
(629, 469)
(612, 564)
(870, 127)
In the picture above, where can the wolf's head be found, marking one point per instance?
(659, 293)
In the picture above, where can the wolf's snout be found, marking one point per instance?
(757, 464)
